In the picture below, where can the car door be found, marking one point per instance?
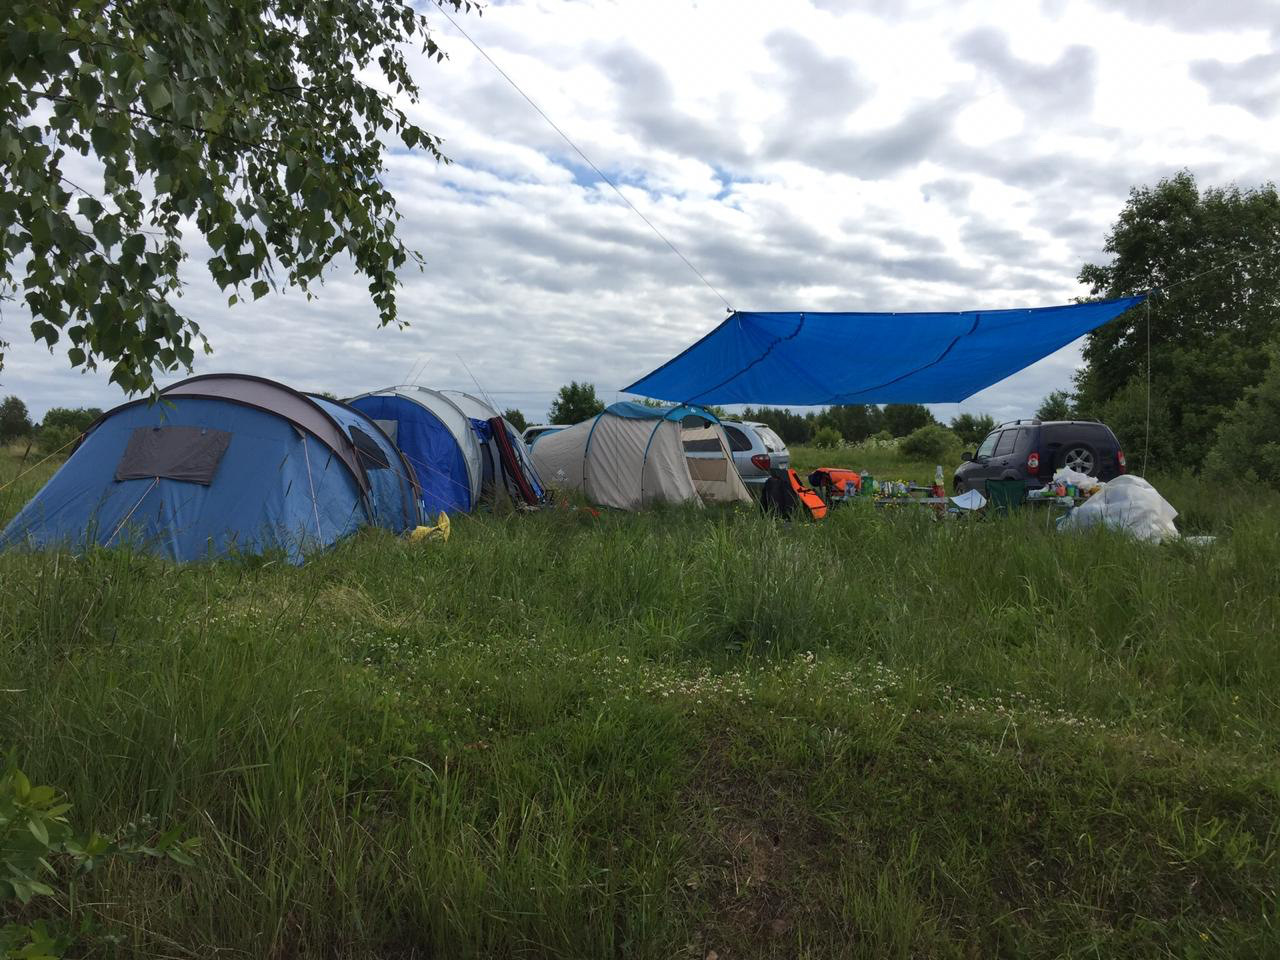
(1001, 463)
(981, 470)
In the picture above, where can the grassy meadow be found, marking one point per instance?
(672, 735)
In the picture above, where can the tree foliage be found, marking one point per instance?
(791, 427)
(15, 422)
(515, 418)
(827, 437)
(901, 419)
(930, 442)
(1247, 444)
(62, 426)
(260, 123)
(853, 421)
(574, 403)
(1214, 258)
(972, 428)
(1058, 405)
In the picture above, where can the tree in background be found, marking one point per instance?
(15, 422)
(1247, 445)
(515, 418)
(1215, 260)
(574, 403)
(853, 421)
(62, 426)
(791, 427)
(1058, 405)
(972, 428)
(827, 437)
(932, 442)
(264, 127)
(901, 419)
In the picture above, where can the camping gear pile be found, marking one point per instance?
(1129, 504)
(785, 496)
(1068, 486)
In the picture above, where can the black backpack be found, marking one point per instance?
(777, 497)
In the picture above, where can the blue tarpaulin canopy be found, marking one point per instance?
(805, 359)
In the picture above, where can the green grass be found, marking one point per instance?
(663, 734)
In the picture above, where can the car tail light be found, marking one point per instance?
(761, 461)
(1033, 461)
(1120, 460)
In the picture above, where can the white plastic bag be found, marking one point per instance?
(970, 500)
(1126, 503)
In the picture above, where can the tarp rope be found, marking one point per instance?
(1146, 436)
(591, 163)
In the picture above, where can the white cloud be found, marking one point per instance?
(930, 155)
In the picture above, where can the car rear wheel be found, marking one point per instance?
(1079, 458)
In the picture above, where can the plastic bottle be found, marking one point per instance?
(937, 475)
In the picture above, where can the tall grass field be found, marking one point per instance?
(676, 734)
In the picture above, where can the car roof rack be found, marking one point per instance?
(1017, 423)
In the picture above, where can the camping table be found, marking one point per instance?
(940, 505)
(1069, 502)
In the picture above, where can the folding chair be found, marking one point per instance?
(1005, 496)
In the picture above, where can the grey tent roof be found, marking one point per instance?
(297, 408)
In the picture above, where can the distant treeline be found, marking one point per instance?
(853, 422)
(59, 428)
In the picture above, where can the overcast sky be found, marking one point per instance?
(821, 155)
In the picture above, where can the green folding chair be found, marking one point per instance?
(1005, 496)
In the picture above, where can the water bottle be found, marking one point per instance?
(937, 475)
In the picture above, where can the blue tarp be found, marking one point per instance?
(805, 359)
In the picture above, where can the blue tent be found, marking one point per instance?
(449, 440)
(222, 464)
(437, 440)
(828, 358)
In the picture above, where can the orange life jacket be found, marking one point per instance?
(838, 479)
(813, 503)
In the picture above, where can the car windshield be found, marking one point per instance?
(988, 445)
(772, 442)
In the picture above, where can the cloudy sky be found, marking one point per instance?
(820, 155)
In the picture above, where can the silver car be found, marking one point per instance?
(755, 447)
(534, 431)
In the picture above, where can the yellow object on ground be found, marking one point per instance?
(438, 532)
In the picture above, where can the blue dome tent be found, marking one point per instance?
(458, 446)
(221, 464)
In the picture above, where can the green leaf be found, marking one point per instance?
(260, 289)
(158, 95)
(39, 831)
(41, 795)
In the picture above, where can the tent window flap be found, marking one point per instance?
(190, 454)
(370, 454)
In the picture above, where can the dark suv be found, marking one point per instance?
(1031, 450)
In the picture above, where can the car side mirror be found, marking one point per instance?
(968, 456)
